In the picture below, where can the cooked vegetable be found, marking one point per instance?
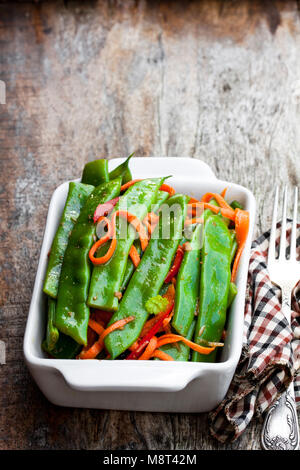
(52, 333)
(64, 348)
(156, 304)
(176, 264)
(187, 285)
(236, 205)
(96, 172)
(77, 196)
(149, 276)
(141, 272)
(72, 311)
(180, 352)
(162, 196)
(107, 278)
(214, 283)
(122, 171)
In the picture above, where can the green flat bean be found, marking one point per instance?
(77, 196)
(149, 276)
(64, 348)
(72, 311)
(187, 285)
(52, 333)
(214, 283)
(162, 196)
(122, 171)
(96, 172)
(107, 278)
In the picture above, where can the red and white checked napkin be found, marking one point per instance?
(270, 357)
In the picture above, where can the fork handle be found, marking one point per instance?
(280, 430)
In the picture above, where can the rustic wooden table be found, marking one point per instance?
(214, 80)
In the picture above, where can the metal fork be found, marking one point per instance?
(280, 430)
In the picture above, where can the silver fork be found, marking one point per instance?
(280, 430)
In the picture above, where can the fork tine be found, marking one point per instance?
(271, 252)
(294, 227)
(282, 246)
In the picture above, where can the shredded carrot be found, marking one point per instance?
(91, 338)
(97, 327)
(162, 355)
(149, 349)
(228, 213)
(170, 338)
(195, 220)
(166, 323)
(134, 255)
(101, 242)
(130, 183)
(223, 193)
(137, 224)
(195, 209)
(241, 229)
(148, 226)
(168, 189)
(133, 220)
(193, 200)
(220, 200)
(99, 345)
(150, 221)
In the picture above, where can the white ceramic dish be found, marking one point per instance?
(140, 385)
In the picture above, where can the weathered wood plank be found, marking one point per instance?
(213, 80)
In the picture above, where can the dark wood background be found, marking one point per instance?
(215, 80)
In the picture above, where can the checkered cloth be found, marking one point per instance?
(270, 356)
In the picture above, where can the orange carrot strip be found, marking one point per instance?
(99, 345)
(170, 338)
(193, 200)
(162, 355)
(196, 220)
(130, 183)
(228, 213)
(137, 224)
(149, 349)
(100, 242)
(166, 324)
(168, 189)
(96, 326)
(102, 259)
(91, 338)
(151, 221)
(241, 229)
(223, 193)
(220, 200)
(134, 255)
(133, 220)
(148, 226)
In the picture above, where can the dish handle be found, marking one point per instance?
(91, 375)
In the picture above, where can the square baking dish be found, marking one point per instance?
(140, 385)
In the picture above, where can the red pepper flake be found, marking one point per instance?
(176, 265)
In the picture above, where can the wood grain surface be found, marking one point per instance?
(214, 80)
